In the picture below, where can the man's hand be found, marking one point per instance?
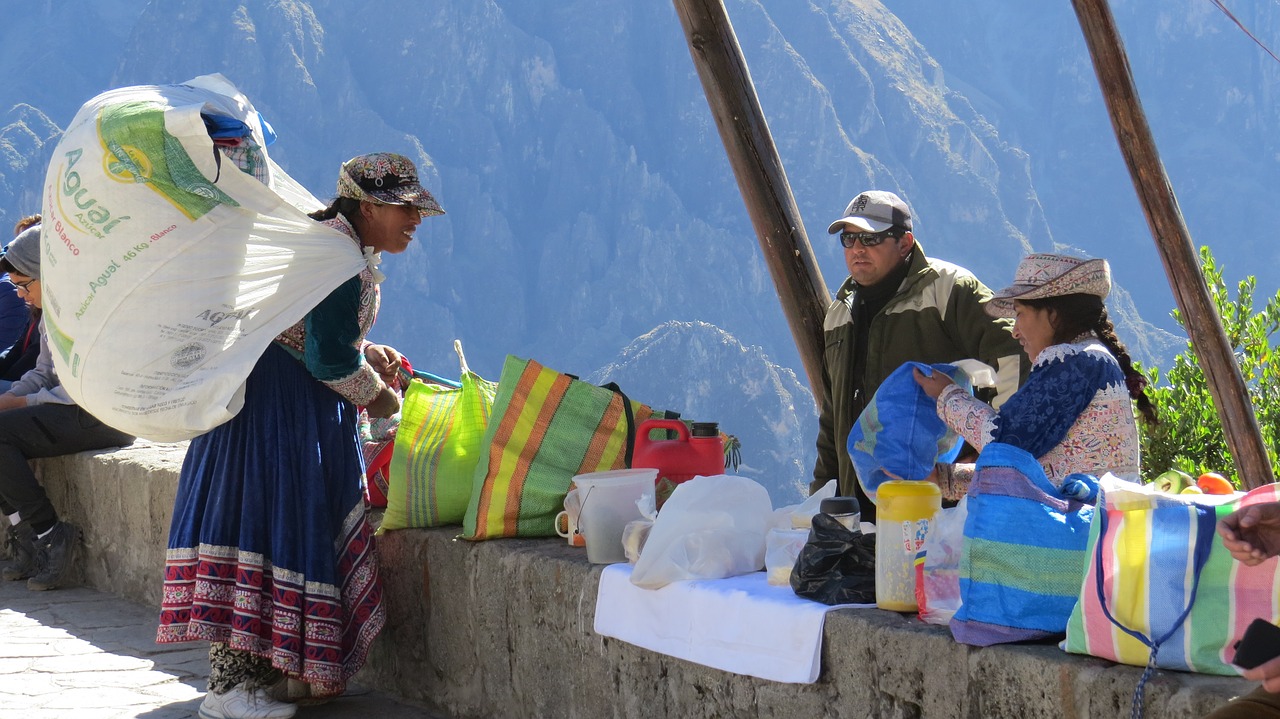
(1268, 673)
(932, 384)
(1252, 535)
(385, 361)
(11, 401)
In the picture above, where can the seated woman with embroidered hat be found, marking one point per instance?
(1074, 413)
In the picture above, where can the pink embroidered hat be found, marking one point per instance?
(388, 179)
(1046, 275)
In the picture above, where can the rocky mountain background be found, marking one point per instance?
(593, 220)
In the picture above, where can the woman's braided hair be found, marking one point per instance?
(1079, 313)
(344, 206)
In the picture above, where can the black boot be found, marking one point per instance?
(55, 559)
(21, 541)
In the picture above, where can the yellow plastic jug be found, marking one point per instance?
(904, 510)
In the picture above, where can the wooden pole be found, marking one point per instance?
(1204, 326)
(761, 178)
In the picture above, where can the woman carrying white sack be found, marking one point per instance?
(270, 552)
(1074, 413)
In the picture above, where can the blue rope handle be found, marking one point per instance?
(437, 379)
(1206, 521)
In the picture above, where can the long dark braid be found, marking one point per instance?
(1079, 313)
(1135, 380)
(344, 206)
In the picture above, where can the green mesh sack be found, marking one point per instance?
(439, 441)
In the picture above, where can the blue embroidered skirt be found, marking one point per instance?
(269, 549)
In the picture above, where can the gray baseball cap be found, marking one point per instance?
(23, 254)
(874, 211)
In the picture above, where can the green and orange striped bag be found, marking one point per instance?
(546, 427)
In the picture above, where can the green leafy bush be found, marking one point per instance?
(1190, 436)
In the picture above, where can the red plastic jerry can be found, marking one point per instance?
(689, 455)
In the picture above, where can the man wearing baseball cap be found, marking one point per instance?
(897, 306)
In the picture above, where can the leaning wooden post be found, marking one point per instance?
(761, 179)
(1181, 264)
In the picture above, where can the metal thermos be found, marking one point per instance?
(844, 510)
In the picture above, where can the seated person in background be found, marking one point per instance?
(21, 356)
(1252, 535)
(17, 325)
(1074, 412)
(38, 419)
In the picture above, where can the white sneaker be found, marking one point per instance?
(240, 703)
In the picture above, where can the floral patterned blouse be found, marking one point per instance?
(1074, 413)
(330, 340)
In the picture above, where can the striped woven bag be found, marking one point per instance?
(1024, 549)
(437, 446)
(546, 427)
(1161, 590)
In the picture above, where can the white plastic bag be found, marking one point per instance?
(636, 533)
(800, 516)
(940, 579)
(710, 528)
(781, 550)
(167, 271)
(634, 536)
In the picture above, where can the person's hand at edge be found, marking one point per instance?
(11, 401)
(1268, 673)
(933, 384)
(384, 360)
(1252, 534)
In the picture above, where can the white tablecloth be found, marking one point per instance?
(741, 624)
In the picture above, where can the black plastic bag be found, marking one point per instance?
(837, 565)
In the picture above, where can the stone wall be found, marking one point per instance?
(504, 629)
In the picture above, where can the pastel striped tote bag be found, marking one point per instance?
(1161, 590)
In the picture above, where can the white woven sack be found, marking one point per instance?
(166, 270)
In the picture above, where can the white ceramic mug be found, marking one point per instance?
(567, 520)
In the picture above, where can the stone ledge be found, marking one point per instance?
(504, 629)
(123, 500)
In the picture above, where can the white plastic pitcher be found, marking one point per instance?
(608, 503)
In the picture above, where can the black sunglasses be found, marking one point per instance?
(868, 239)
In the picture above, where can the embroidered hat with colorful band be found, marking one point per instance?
(388, 179)
(874, 211)
(1046, 275)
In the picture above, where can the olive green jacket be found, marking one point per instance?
(936, 316)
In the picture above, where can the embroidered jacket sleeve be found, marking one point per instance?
(1073, 415)
(969, 416)
(332, 347)
(330, 342)
(1063, 384)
